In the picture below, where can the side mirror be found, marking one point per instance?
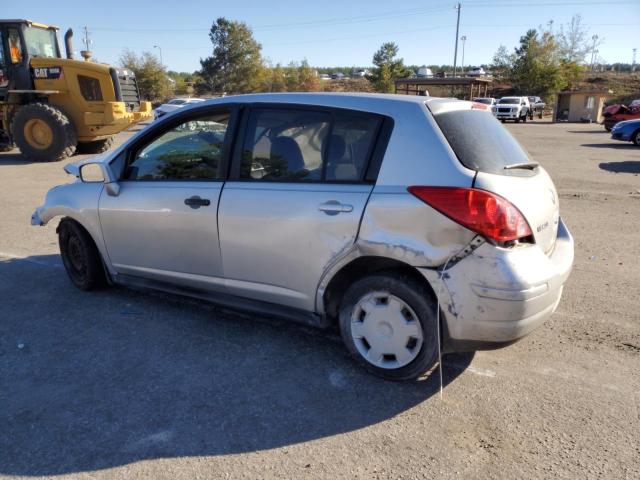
(92, 173)
(100, 173)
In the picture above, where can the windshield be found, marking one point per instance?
(176, 101)
(509, 100)
(480, 142)
(486, 101)
(41, 42)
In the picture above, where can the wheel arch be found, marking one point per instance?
(331, 295)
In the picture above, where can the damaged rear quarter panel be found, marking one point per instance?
(401, 227)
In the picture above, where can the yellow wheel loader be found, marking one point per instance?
(50, 105)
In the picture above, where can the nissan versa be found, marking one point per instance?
(395, 218)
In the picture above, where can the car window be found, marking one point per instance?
(304, 145)
(284, 145)
(189, 151)
(480, 142)
(350, 145)
(1, 51)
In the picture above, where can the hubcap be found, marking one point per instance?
(385, 330)
(38, 134)
(76, 255)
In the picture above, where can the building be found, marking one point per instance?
(580, 106)
(460, 87)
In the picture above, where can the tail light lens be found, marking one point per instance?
(486, 213)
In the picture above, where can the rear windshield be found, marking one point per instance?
(480, 141)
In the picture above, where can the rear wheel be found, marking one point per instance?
(97, 146)
(6, 147)
(44, 133)
(80, 256)
(635, 138)
(388, 324)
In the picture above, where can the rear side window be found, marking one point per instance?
(480, 141)
(307, 145)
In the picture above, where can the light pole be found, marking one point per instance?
(464, 40)
(593, 50)
(161, 62)
(455, 54)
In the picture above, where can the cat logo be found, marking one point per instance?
(48, 73)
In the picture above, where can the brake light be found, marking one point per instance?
(486, 213)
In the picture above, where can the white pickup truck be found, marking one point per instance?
(512, 108)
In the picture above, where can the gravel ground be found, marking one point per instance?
(120, 383)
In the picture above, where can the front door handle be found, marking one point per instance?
(197, 202)
(333, 207)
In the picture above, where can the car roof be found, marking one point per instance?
(373, 102)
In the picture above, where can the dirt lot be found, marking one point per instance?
(122, 383)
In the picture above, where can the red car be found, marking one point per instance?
(617, 113)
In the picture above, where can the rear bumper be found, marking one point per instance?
(495, 296)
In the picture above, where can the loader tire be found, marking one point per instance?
(97, 146)
(44, 133)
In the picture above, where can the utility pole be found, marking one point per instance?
(455, 55)
(633, 60)
(593, 50)
(160, 49)
(464, 41)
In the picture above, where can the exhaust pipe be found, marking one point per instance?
(67, 44)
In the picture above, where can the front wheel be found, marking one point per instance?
(388, 323)
(635, 138)
(80, 256)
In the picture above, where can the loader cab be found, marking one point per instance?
(20, 41)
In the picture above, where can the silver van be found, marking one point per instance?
(409, 223)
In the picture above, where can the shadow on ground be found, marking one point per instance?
(14, 157)
(95, 380)
(630, 166)
(615, 146)
(590, 131)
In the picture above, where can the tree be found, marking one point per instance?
(236, 63)
(572, 41)
(151, 76)
(307, 79)
(502, 60)
(387, 68)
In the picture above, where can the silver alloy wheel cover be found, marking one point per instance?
(385, 330)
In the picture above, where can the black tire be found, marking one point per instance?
(80, 256)
(97, 146)
(518, 120)
(635, 138)
(524, 119)
(418, 298)
(607, 128)
(63, 143)
(6, 147)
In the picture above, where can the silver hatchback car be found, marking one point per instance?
(409, 223)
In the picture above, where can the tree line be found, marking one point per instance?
(545, 61)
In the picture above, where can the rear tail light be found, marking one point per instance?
(486, 213)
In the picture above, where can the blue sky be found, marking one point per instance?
(331, 32)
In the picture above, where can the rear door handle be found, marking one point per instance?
(333, 207)
(197, 202)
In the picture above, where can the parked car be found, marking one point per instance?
(486, 100)
(476, 72)
(424, 72)
(536, 106)
(174, 104)
(324, 76)
(512, 108)
(400, 219)
(627, 131)
(618, 113)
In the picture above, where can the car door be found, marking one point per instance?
(294, 201)
(163, 223)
